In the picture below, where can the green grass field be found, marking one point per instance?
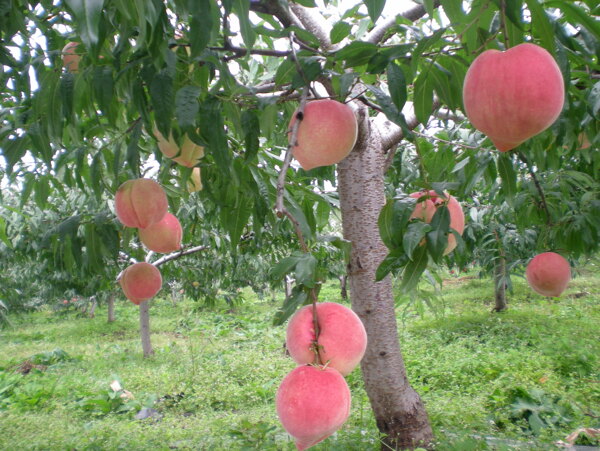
(522, 379)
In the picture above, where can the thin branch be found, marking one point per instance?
(279, 203)
(538, 186)
(377, 34)
(179, 254)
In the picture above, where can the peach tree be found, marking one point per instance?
(229, 74)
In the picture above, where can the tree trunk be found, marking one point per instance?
(145, 328)
(500, 285)
(111, 308)
(398, 409)
(289, 284)
(92, 312)
(344, 286)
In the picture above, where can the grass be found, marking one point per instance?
(529, 375)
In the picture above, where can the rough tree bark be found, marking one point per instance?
(145, 328)
(500, 285)
(398, 409)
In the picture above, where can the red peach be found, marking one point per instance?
(513, 95)
(70, 58)
(548, 274)
(140, 282)
(326, 134)
(342, 336)
(312, 403)
(163, 236)
(426, 209)
(140, 203)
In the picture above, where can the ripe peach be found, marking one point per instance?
(140, 203)
(163, 236)
(140, 282)
(195, 181)
(513, 95)
(548, 273)
(190, 153)
(312, 403)
(426, 209)
(326, 134)
(70, 58)
(342, 336)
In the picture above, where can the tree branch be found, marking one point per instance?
(538, 186)
(179, 254)
(377, 34)
(314, 23)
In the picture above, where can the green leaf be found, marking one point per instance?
(339, 31)
(541, 24)
(375, 7)
(67, 87)
(251, 129)
(390, 110)
(285, 266)
(393, 219)
(87, 18)
(423, 97)
(356, 53)
(437, 238)
(306, 270)
(393, 261)
(577, 15)
(186, 106)
(454, 11)
(415, 233)
(133, 150)
(235, 217)
(242, 7)
(414, 269)
(201, 25)
(96, 170)
(396, 85)
(508, 176)
(290, 305)
(162, 99)
(3, 235)
(214, 135)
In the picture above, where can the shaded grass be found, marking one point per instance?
(215, 372)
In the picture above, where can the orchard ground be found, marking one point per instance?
(522, 379)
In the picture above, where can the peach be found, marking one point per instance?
(70, 58)
(140, 203)
(312, 403)
(163, 236)
(140, 282)
(513, 95)
(326, 134)
(548, 274)
(342, 336)
(188, 155)
(426, 209)
(195, 181)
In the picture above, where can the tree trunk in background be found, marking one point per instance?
(344, 287)
(398, 409)
(145, 328)
(92, 312)
(500, 285)
(111, 308)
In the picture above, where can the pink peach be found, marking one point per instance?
(140, 282)
(548, 274)
(140, 203)
(163, 236)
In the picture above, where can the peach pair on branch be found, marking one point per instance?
(313, 401)
(514, 95)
